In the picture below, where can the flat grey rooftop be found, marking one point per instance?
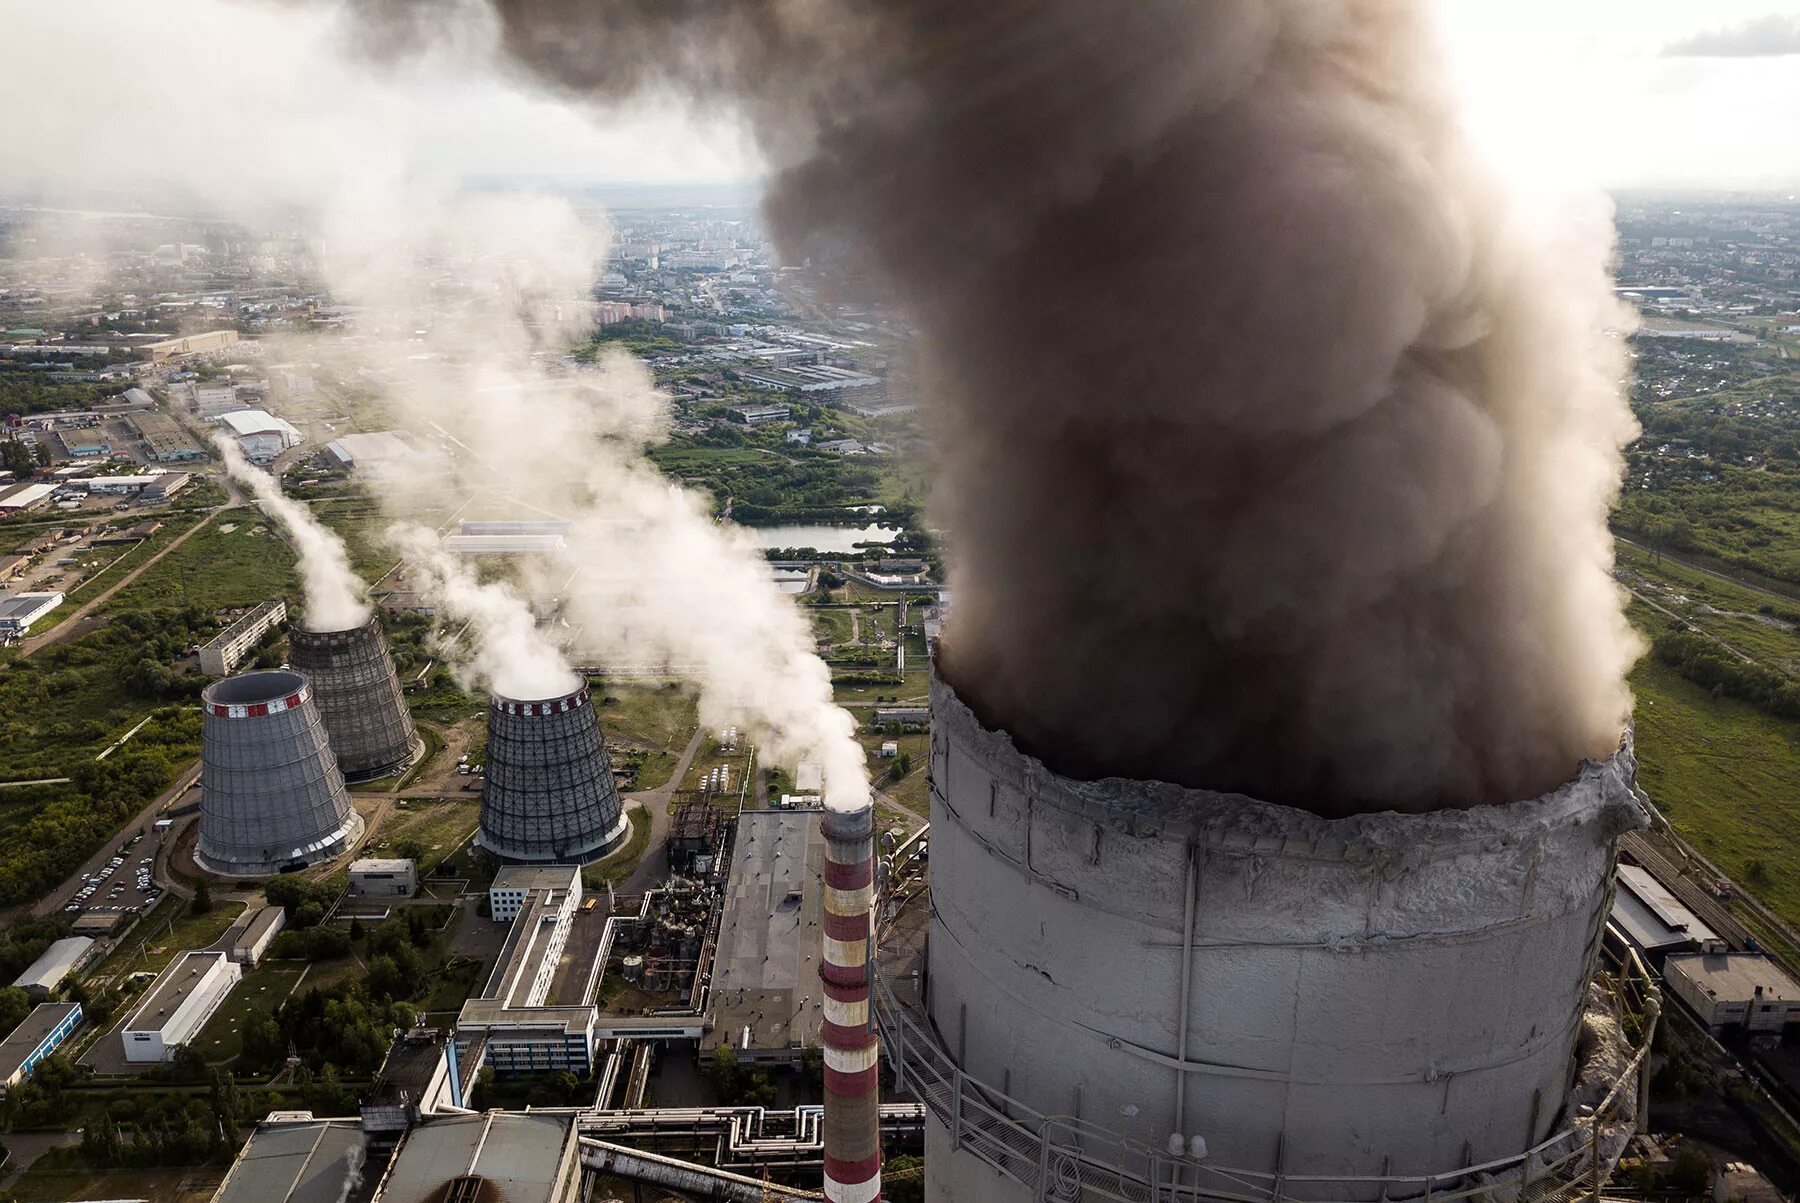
(771, 938)
(169, 989)
(313, 1162)
(1652, 916)
(527, 1158)
(25, 1038)
(536, 877)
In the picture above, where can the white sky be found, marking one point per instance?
(1576, 90)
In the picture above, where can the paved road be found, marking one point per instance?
(27, 1147)
(654, 867)
(60, 897)
(71, 627)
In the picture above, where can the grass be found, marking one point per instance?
(913, 691)
(646, 723)
(434, 743)
(441, 826)
(1728, 778)
(171, 930)
(191, 1185)
(623, 862)
(833, 625)
(265, 987)
(117, 565)
(244, 566)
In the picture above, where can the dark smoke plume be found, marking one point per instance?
(1277, 441)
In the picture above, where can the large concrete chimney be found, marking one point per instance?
(852, 1055)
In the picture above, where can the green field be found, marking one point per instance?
(646, 723)
(1728, 778)
(245, 565)
(440, 827)
(265, 988)
(169, 931)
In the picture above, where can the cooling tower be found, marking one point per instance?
(272, 796)
(549, 792)
(354, 686)
(1377, 996)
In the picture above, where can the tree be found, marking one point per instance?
(15, 1004)
(357, 931)
(202, 899)
(724, 1071)
(902, 766)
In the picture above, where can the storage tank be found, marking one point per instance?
(359, 697)
(549, 792)
(272, 797)
(1378, 995)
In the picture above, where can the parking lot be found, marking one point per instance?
(123, 882)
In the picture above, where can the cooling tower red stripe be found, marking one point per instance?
(852, 1055)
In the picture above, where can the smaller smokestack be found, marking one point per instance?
(358, 695)
(549, 793)
(852, 1056)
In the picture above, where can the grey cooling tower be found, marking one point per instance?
(549, 793)
(358, 696)
(272, 798)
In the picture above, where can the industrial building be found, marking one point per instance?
(505, 545)
(272, 798)
(374, 877)
(210, 400)
(767, 999)
(84, 442)
(162, 438)
(1734, 990)
(255, 932)
(548, 792)
(1653, 920)
(44, 1029)
(513, 526)
(756, 415)
(25, 498)
(178, 1004)
(513, 1156)
(46, 974)
(296, 1161)
(810, 378)
(358, 696)
(382, 452)
(19, 611)
(222, 653)
(1269, 992)
(260, 434)
(523, 1034)
(189, 344)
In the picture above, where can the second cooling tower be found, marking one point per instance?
(358, 696)
(272, 797)
(549, 793)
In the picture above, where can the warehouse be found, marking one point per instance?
(1734, 989)
(519, 1157)
(392, 878)
(46, 974)
(260, 434)
(1654, 921)
(44, 1029)
(383, 451)
(84, 442)
(306, 1161)
(255, 936)
(21, 610)
(504, 545)
(25, 498)
(178, 1004)
(221, 654)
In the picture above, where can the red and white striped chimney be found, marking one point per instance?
(852, 1057)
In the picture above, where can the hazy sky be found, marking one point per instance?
(1584, 91)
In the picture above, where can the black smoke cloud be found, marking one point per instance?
(1277, 444)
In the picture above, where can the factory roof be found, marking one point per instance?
(26, 495)
(260, 921)
(766, 972)
(48, 971)
(256, 421)
(20, 605)
(17, 1048)
(526, 1158)
(378, 864)
(537, 877)
(315, 1161)
(1735, 976)
(527, 942)
(1652, 917)
(170, 990)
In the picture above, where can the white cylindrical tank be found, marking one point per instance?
(1382, 994)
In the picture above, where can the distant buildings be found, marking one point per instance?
(45, 975)
(608, 313)
(756, 415)
(810, 378)
(189, 344)
(23, 498)
(221, 654)
(383, 452)
(260, 434)
(178, 1004)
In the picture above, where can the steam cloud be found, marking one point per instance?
(1278, 440)
(334, 595)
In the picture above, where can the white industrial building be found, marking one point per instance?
(44, 1029)
(379, 877)
(523, 1035)
(260, 434)
(1734, 989)
(255, 936)
(383, 451)
(1653, 919)
(25, 497)
(178, 1004)
(221, 654)
(46, 974)
(21, 610)
(504, 545)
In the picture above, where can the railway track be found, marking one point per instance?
(1696, 899)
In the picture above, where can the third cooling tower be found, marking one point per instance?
(358, 695)
(549, 793)
(1250, 985)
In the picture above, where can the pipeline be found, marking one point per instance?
(703, 1182)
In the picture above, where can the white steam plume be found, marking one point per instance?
(334, 595)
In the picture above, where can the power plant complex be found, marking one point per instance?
(359, 698)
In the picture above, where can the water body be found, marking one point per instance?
(820, 537)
